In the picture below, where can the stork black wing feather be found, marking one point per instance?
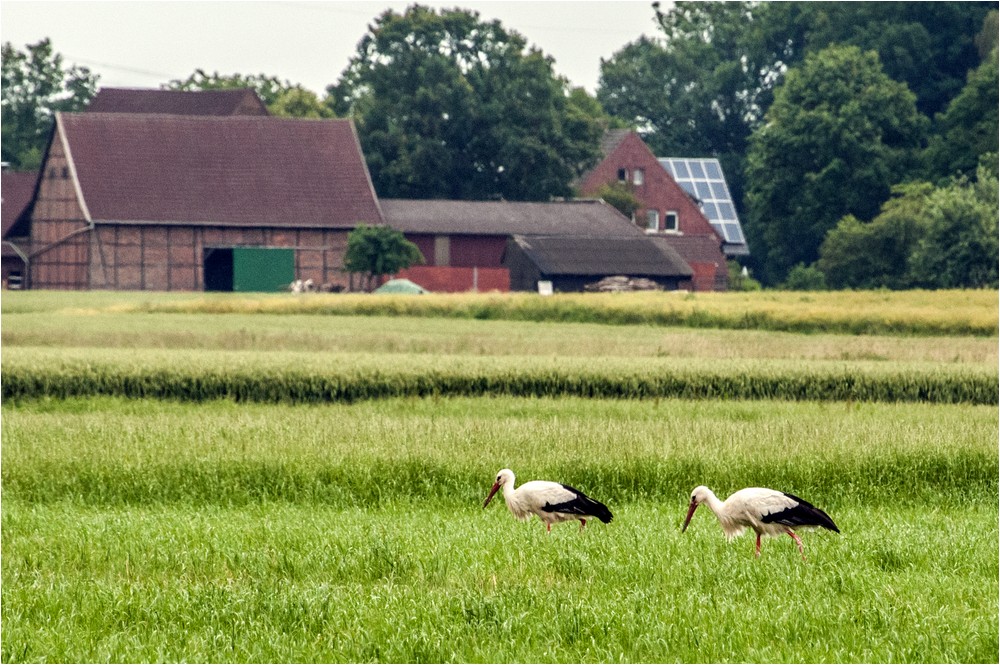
(801, 514)
(581, 504)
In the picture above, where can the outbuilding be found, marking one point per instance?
(155, 201)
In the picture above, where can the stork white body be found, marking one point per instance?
(768, 512)
(550, 502)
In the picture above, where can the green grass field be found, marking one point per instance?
(223, 531)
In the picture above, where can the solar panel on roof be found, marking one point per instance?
(704, 179)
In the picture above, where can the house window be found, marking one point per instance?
(638, 177)
(670, 221)
(622, 175)
(652, 220)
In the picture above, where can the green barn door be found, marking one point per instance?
(260, 269)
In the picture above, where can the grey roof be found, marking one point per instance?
(588, 256)
(611, 139)
(587, 217)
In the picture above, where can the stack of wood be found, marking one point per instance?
(618, 283)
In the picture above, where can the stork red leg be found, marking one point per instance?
(583, 523)
(798, 541)
(757, 551)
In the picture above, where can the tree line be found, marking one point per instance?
(859, 139)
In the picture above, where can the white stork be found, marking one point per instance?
(767, 512)
(551, 502)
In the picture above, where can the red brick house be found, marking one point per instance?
(668, 211)
(151, 201)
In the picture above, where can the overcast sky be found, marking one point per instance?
(309, 42)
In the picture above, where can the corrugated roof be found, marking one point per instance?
(588, 256)
(241, 101)
(16, 190)
(237, 170)
(582, 217)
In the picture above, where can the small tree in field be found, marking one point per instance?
(374, 251)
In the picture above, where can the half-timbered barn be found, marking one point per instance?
(154, 201)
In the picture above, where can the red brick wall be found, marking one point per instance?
(458, 280)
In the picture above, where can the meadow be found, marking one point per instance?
(333, 530)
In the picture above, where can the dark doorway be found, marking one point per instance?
(218, 263)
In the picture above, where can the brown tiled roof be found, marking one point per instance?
(699, 248)
(243, 101)
(636, 257)
(16, 192)
(237, 170)
(582, 217)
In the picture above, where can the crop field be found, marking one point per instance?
(189, 485)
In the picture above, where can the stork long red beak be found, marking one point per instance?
(687, 520)
(493, 491)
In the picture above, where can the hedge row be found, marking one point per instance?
(289, 377)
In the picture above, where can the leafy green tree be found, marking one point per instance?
(297, 102)
(620, 196)
(968, 127)
(704, 87)
(449, 106)
(268, 88)
(282, 98)
(875, 254)
(960, 246)
(839, 134)
(805, 278)
(36, 84)
(374, 251)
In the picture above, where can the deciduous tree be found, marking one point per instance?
(374, 251)
(839, 134)
(449, 106)
(36, 84)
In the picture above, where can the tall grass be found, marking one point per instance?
(299, 377)
(446, 451)
(450, 337)
(867, 312)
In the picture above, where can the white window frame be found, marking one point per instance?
(676, 226)
(652, 220)
(638, 177)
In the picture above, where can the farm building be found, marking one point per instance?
(177, 102)
(153, 201)
(572, 263)
(465, 243)
(17, 193)
(669, 211)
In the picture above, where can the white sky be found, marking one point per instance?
(309, 42)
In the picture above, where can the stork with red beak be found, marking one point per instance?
(551, 502)
(767, 512)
